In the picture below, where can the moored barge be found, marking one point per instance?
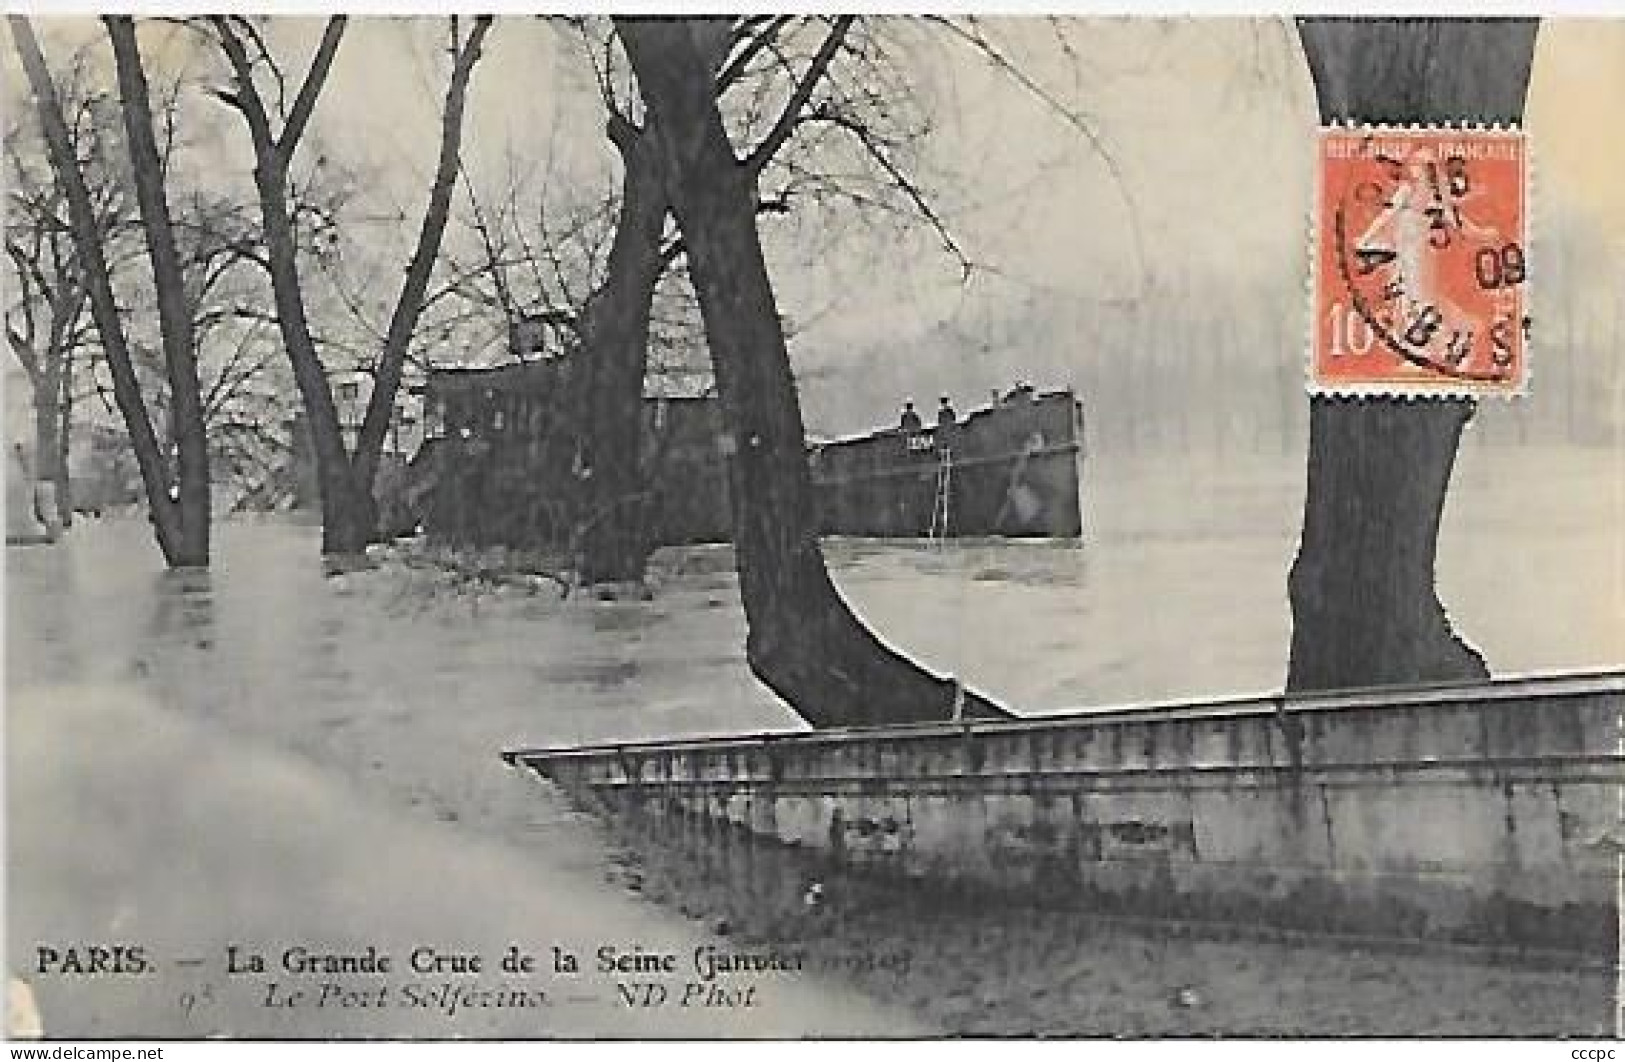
(500, 466)
(1008, 469)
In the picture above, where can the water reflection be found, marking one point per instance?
(43, 598)
(183, 608)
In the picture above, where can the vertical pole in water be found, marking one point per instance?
(939, 505)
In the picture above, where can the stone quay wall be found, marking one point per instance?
(1483, 815)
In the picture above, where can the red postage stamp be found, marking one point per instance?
(1421, 267)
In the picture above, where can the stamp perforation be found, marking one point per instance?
(1445, 385)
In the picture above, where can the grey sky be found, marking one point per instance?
(1203, 224)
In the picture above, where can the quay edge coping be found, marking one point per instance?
(1549, 686)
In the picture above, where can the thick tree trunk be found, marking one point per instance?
(804, 641)
(1364, 608)
(186, 425)
(87, 243)
(614, 352)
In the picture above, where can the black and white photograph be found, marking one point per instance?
(659, 526)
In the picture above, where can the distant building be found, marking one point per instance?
(501, 463)
(352, 391)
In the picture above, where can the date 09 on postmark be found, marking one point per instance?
(1421, 270)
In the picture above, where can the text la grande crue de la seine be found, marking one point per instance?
(705, 961)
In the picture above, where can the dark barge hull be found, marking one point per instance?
(501, 472)
(1484, 815)
(1012, 469)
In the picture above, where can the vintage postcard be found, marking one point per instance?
(576, 527)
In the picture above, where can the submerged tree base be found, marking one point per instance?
(1364, 608)
(344, 563)
(804, 641)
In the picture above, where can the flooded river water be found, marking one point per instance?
(262, 754)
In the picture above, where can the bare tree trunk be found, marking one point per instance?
(346, 515)
(1364, 608)
(614, 350)
(64, 441)
(50, 381)
(87, 241)
(47, 428)
(804, 641)
(186, 427)
(615, 323)
(409, 305)
(345, 481)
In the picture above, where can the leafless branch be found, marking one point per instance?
(752, 35)
(970, 33)
(785, 126)
(305, 103)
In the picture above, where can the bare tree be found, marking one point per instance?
(187, 432)
(822, 120)
(346, 478)
(613, 334)
(178, 495)
(612, 330)
(243, 396)
(49, 328)
(46, 319)
(804, 642)
(1364, 606)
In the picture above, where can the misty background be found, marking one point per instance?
(1130, 215)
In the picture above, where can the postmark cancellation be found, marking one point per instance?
(1420, 262)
